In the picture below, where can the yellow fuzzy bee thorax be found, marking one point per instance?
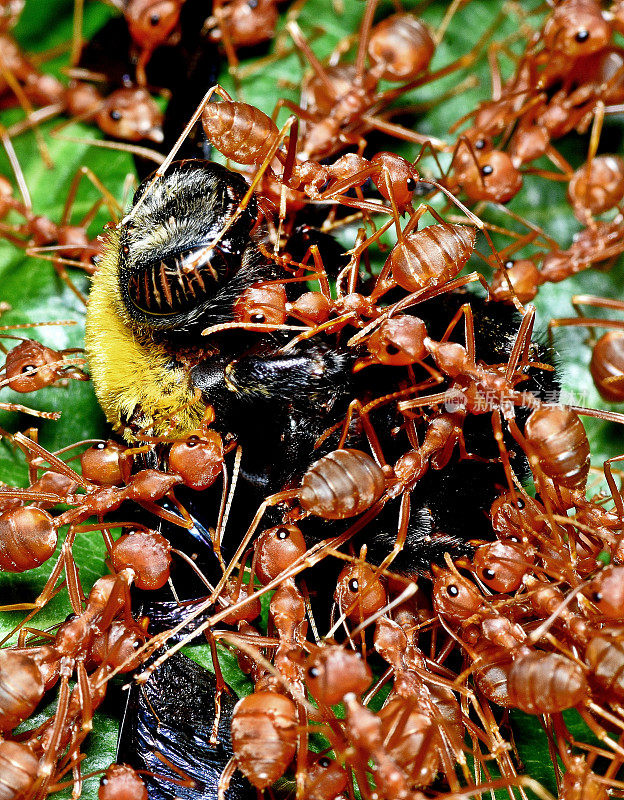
(134, 376)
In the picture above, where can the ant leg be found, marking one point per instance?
(302, 113)
(113, 206)
(225, 778)
(77, 20)
(33, 412)
(26, 105)
(74, 589)
(497, 428)
(448, 16)
(31, 447)
(17, 170)
(521, 345)
(426, 294)
(301, 42)
(400, 132)
(363, 39)
(404, 516)
(220, 688)
(616, 493)
(356, 407)
(51, 738)
(598, 302)
(465, 311)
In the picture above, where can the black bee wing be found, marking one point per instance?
(169, 720)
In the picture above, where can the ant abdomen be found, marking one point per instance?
(605, 657)
(19, 768)
(342, 484)
(239, 131)
(264, 736)
(432, 255)
(607, 366)
(27, 538)
(21, 688)
(546, 683)
(402, 44)
(558, 437)
(121, 782)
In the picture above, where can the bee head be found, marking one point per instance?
(182, 243)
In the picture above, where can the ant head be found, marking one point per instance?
(396, 179)
(198, 459)
(150, 22)
(332, 672)
(276, 549)
(359, 593)
(262, 304)
(455, 597)
(523, 275)
(491, 176)
(577, 28)
(131, 114)
(399, 341)
(515, 518)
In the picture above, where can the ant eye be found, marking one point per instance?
(392, 349)
(353, 585)
(488, 169)
(324, 762)
(582, 35)
(154, 20)
(509, 264)
(597, 597)
(99, 446)
(480, 144)
(252, 3)
(283, 533)
(514, 539)
(314, 672)
(453, 590)
(28, 367)
(192, 441)
(489, 574)
(257, 318)
(411, 184)
(115, 115)
(520, 504)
